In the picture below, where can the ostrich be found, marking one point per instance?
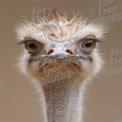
(60, 57)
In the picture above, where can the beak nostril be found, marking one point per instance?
(69, 51)
(50, 51)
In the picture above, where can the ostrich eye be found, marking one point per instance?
(33, 46)
(88, 45)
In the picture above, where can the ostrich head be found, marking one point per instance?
(57, 48)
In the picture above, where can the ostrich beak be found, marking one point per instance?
(60, 53)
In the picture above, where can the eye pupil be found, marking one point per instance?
(32, 46)
(88, 44)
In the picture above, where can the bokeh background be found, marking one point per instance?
(18, 100)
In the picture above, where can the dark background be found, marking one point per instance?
(18, 100)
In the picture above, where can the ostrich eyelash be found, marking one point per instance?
(19, 42)
(92, 38)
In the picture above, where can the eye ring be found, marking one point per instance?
(88, 45)
(33, 46)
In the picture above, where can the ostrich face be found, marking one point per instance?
(60, 49)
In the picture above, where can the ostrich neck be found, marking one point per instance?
(62, 101)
